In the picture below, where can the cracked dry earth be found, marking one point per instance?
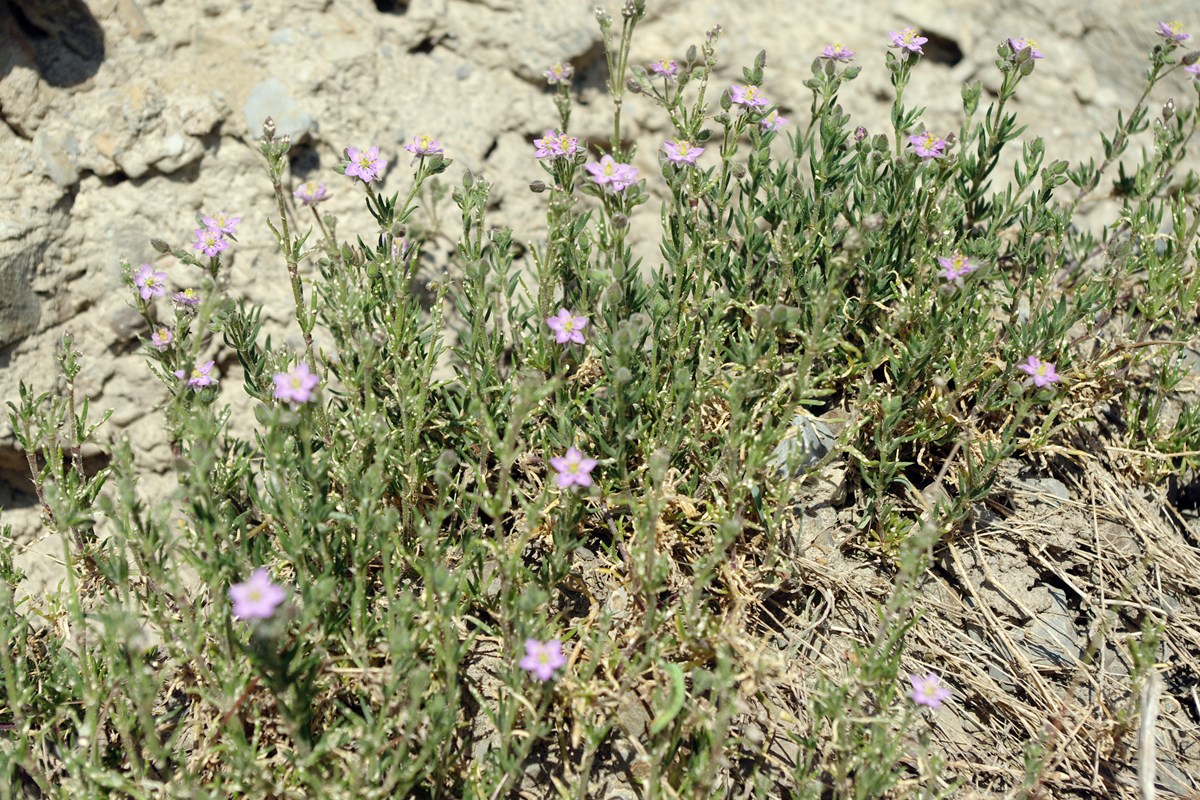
(123, 119)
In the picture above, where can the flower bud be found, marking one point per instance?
(537, 187)
(620, 221)
(1190, 58)
(1168, 109)
(860, 133)
(269, 128)
(633, 86)
(160, 245)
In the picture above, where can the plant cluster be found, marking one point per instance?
(534, 554)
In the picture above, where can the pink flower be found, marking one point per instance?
(200, 375)
(1193, 70)
(220, 221)
(150, 283)
(257, 598)
(837, 52)
(187, 298)
(423, 145)
(310, 193)
(954, 267)
(210, 241)
(928, 690)
(555, 145)
(927, 146)
(1042, 371)
(297, 385)
(543, 660)
(567, 327)
(365, 164)
(748, 96)
(681, 151)
(1017, 45)
(616, 176)
(666, 68)
(772, 121)
(908, 39)
(1173, 32)
(559, 73)
(573, 469)
(162, 338)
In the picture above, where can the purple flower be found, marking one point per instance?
(220, 221)
(162, 338)
(1173, 32)
(772, 121)
(297, 385)
(187, 298)
(310, 193)
(616, 176)
(837, 52)
(559, 73)
(666, 68)
(954, 267)
(567, 327)
(860, 133)
(573, 469)
(1042, 371)
(402, 250)
(928, 690)
(365, 164)
(1193, 70)
(150, 283)
(747, 96)
(908, 39)
(543, 660)
(257, 598)
(210, 241)
(423, 145)
(200, 375)
(927, 146)
(555, 145)
(1018, 45)
(681, 151)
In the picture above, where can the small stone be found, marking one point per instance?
(59, 155)
(1046, 486)
(271, 98)
(807, 441)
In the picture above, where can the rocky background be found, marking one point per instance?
(126, 119)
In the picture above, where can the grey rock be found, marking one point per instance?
(1052, 638)
(1050, 486)
(271, 98)
(20, 308)
(807, 441)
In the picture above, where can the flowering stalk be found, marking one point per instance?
(275, 151)
(618, 62)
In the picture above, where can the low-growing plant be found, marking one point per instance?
(508, 528)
